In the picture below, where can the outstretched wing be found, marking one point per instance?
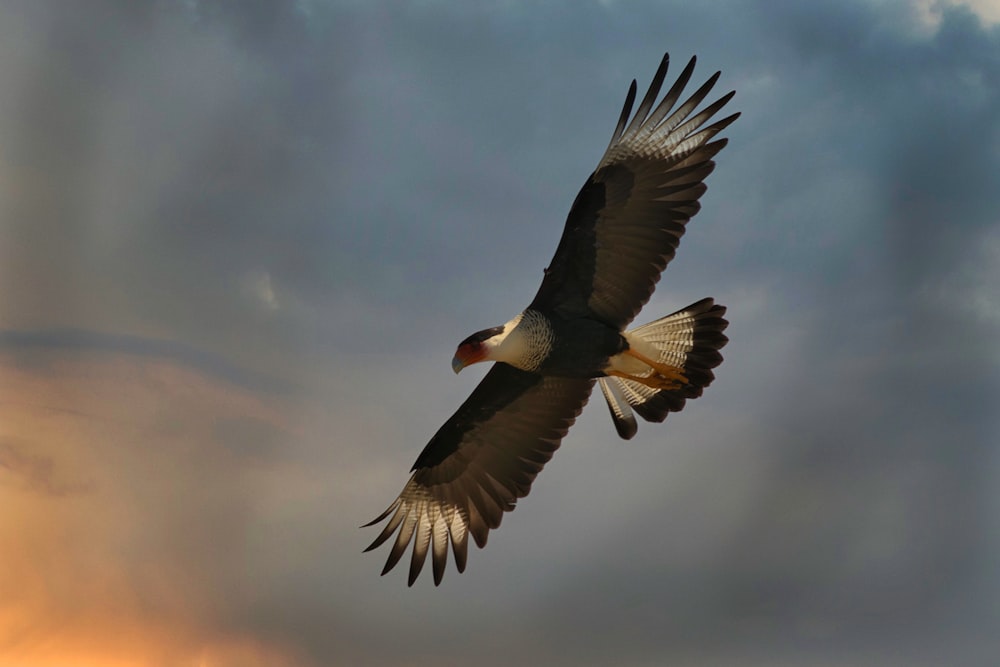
(627, 221)
(478, 464)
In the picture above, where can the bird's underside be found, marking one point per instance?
(622, 230)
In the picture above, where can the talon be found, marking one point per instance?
(662, 377)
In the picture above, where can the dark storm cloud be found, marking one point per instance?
(163, 155)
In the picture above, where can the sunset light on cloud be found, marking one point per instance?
(115, 468)
(239, 243)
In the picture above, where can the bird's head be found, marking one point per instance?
(477, 347)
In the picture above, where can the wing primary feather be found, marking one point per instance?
(672, 95)
(698, 149)
(691, 124)
(390, 527)
(720, 125)
(439, 548)
(402, 540)
(420, 544)
(459, 530)
(383, 515)
(650, 97)
(678, 116)
(478, 523)
(626, 110)
(492, 504)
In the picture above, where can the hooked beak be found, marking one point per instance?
(467, 354)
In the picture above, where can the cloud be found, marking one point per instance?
(258, 284)
(24, 346)
(136, 498)
(36, 472)
(932, 12)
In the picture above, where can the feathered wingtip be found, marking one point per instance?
(430, 526)
(664, 119)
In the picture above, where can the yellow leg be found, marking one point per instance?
(664, 376)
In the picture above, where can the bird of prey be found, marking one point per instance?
(621, 232)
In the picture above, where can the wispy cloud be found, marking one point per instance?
(37, 472)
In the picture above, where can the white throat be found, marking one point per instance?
(524, 343)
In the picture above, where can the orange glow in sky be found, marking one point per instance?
(107, 466)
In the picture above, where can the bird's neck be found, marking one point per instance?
(525, 342)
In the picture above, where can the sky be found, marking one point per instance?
(239, 242)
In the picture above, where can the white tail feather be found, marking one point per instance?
(689, 340)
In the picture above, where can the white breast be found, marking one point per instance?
(525, 342)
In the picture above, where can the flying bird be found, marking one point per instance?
(622, 230)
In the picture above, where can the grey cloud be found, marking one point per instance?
(162, 160)
(22, 344)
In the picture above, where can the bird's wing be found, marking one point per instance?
(627, 221)
(478, 464)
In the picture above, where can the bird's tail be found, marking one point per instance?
(689, 340)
